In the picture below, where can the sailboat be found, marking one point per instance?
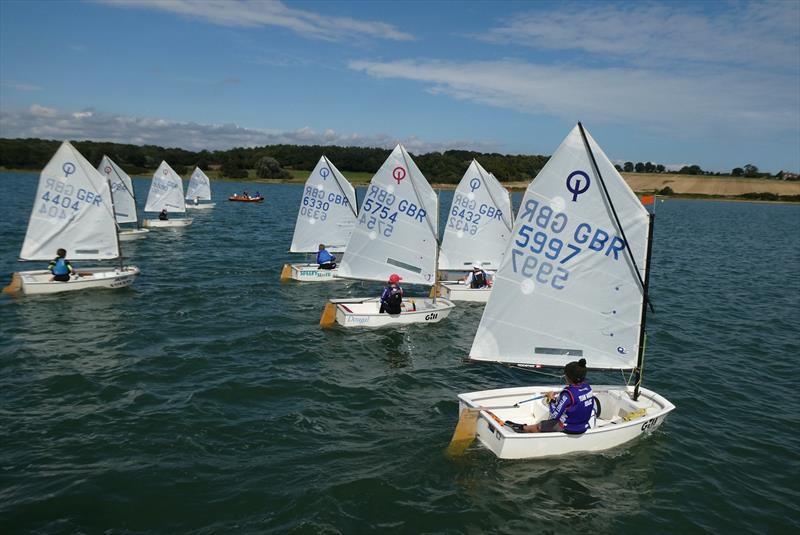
(326, 216)
(199, 190)
(124, 200)
(166, 193)
(573, 284)
(396, 232)
(73, 210)
(478, 226)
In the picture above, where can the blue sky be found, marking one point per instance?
(711, 83)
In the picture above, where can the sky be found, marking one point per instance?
(713, 83)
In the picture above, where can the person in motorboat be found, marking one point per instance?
(162, 216)
(325, 259)
(258, 195)
(477, 278)
(571, 411)
(60, 267)
(392, 297)
(245, 195)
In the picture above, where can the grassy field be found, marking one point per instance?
(682, 185)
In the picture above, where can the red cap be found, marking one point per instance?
(395, 278)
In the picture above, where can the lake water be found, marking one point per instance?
(206, 399)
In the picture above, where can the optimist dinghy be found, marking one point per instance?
(327, 214)
(166, 193)
(396, 232)
(573, 284)
(73, 210)
(199, 190)
(124, 200)
(478, 226)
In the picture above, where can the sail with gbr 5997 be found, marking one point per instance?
(568, 287)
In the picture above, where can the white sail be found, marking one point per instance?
(479, 222)
(199, 186)
(121, 190)
(73, 210)
(567, 287)
(327, 211)
(166, 191)
(397, 226)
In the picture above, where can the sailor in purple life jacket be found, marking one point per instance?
(572, 410)
(325, 259)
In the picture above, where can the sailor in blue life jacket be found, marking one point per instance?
(572, 410)
(392, 296)
(477, 278)
(162, 216)
(60, 267)
(325, 259)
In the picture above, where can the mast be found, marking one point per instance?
(642, 331)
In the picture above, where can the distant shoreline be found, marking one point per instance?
(716, 188)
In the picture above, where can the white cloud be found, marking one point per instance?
(255, 13)
(42, 112)
(704, 101)
(19, 86)
(49, 123)
(755, 34)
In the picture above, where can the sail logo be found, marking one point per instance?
(576, 186)
(68, 168)
(399, 174)
(107, 169)
(474, 184)
(324, 172)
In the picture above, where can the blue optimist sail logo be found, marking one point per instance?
(324, 172)
(474, 184)
(576, 186)
(68, 168)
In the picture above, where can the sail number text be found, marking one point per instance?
(539, 252)
(381, 210)
(60, 197)
(316, 202)
(466, 214)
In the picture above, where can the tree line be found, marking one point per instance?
(272, 161)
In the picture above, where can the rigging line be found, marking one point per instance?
(427, 219)
(330, 166)
(616, 218)
(489, 191)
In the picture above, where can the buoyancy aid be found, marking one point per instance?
(61, 267)
(479, 280)
(574, 408)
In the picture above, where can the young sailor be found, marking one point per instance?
(60, 267)
(392, 296)
(477, 278)
(324, 258)
(162, 216)
(571, 412)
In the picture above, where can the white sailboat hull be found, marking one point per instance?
(455, 291)
(307, 273)
(365, 312)
(157, 223)
(133, 234)
(38, 282)
(610, 431)
(201, 206)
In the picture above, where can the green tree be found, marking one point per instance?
(628, 167)
(639, 167)
(751, 171)
(269, 167)
(737, 171)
